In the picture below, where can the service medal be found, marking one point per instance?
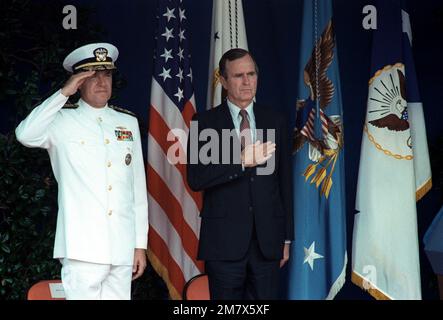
(128, 159)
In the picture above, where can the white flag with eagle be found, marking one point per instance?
(394, 166)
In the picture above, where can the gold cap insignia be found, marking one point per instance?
(101, 54)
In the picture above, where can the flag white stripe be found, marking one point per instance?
(174, 180)
(160, 222)
(166, 108)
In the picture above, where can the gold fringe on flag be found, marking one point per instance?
(420, 193)
(163, 273)
(364, 284)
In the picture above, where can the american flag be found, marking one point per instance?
(174, 221)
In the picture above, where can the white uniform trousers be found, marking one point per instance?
(92, 281)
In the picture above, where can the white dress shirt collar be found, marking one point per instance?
(235, 110)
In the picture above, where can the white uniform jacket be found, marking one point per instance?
(97, 159)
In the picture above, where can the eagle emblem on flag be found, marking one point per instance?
(387, 124)
(323, 133)
(388, 99)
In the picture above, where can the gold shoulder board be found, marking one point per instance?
(122, 110)
(69, 105)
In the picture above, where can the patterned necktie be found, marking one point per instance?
(245, 137)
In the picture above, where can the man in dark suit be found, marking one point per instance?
(247, 216)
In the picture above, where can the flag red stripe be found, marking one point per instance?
(188, 112)
(161, 250)
(159, 131)
(161, 193)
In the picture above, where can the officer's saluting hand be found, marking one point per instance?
(75, 81)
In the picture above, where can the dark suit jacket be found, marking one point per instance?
(234, 198)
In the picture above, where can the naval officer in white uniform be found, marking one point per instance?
(97, 159)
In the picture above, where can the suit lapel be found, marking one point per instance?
(259, 119)
(260, 123)
(227, 123)
(226, 118)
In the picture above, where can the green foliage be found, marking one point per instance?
(33, 45)
(28, 209)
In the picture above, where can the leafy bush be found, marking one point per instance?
(28, 210)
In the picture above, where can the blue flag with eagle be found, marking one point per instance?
(318, 255)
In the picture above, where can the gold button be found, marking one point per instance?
(110, 213)
(82, 142)
(110, 188)
(107, 141)
(109, 164)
